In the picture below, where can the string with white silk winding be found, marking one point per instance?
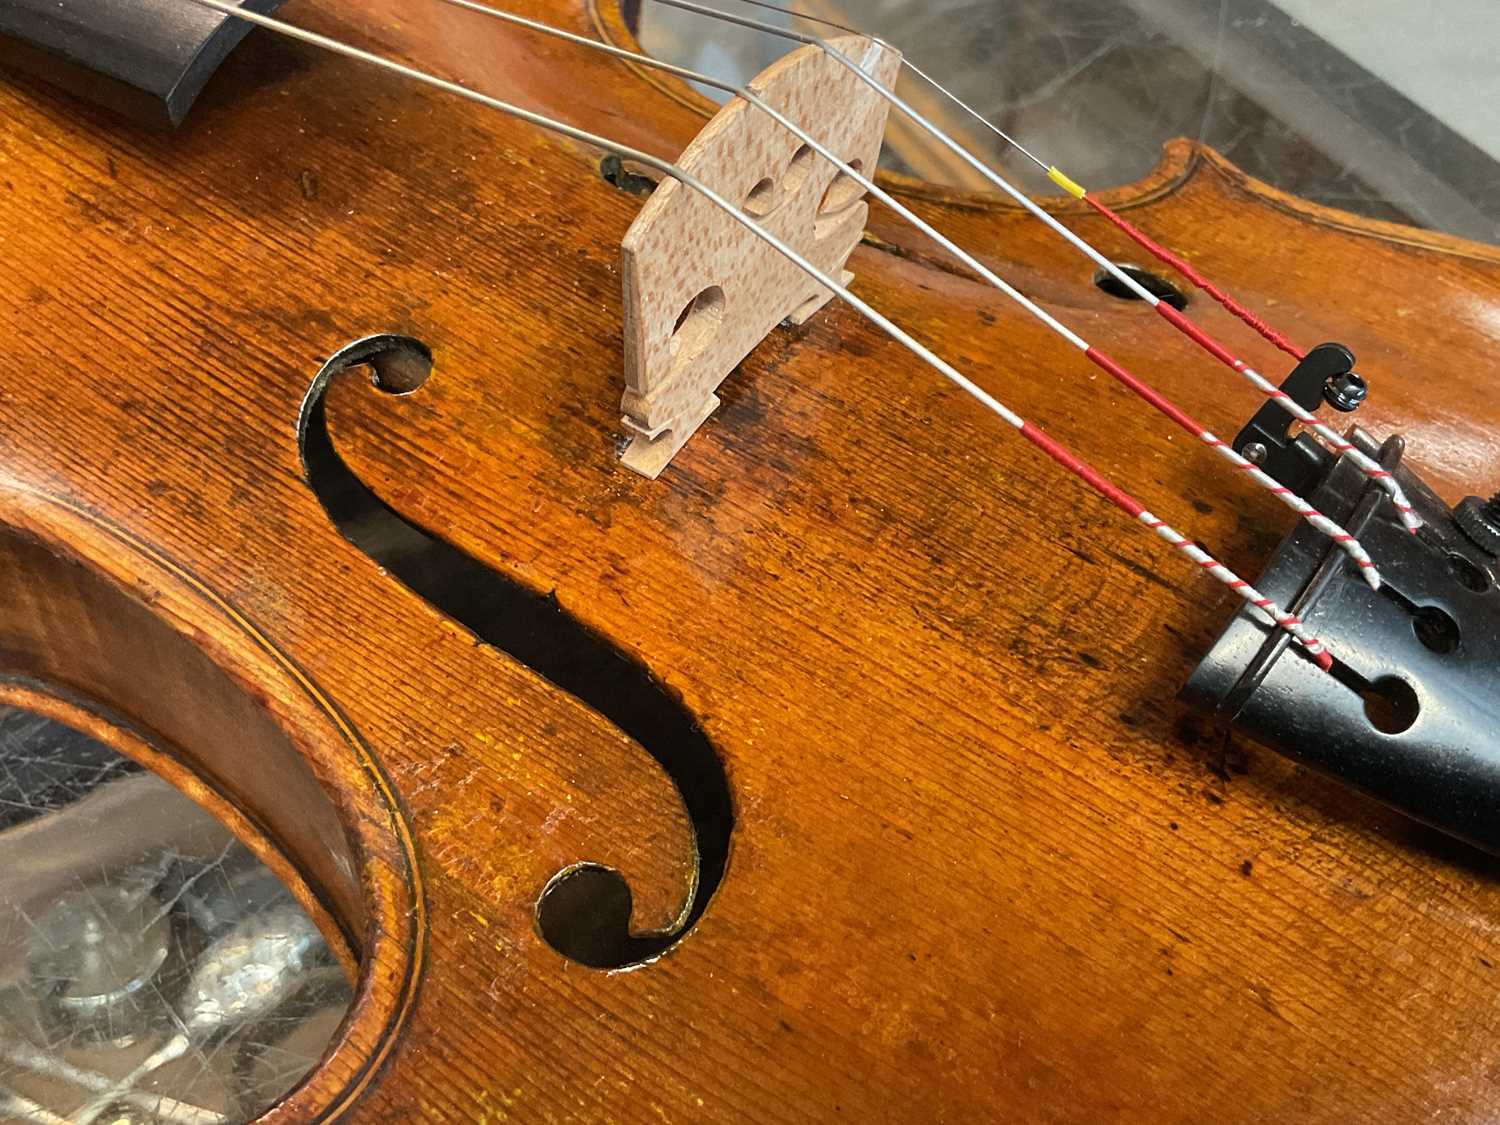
(1366, 464)
(1112, 367)
(1054, 449)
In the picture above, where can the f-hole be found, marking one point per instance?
(1158, 286)
(584, 910)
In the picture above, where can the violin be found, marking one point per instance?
(656, 597)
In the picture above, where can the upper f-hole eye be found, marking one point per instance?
(400, 368)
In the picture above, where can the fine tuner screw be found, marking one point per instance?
(1345, 392)
(1480, 521)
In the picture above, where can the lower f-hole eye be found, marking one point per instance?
(584, 913)
(1159, 287)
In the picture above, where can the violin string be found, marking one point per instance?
(1039, 438)
(1185, 325)
(911, 66)
(1117, 371)
(1181, 265)
(1174, 261)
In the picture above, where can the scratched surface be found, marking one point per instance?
(151, 968)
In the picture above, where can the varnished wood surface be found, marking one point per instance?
(985, 867)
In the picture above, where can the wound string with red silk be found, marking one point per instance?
(1137, 386)
(1185, 325)
(1054, 449)
(1186, 269)
(1057, 176)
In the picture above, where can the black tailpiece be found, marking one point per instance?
(1411, 714)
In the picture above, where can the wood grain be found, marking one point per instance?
(985, 867)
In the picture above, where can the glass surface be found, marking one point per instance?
(151, 968)
(1381, 107)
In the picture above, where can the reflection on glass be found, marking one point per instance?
(1382, 107)
(151, 968)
